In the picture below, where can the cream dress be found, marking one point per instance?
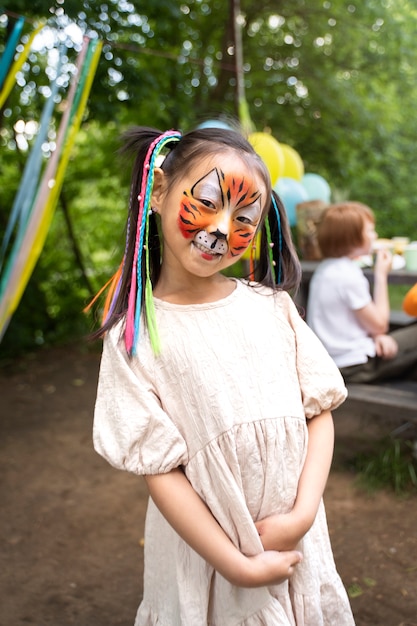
(227, 400)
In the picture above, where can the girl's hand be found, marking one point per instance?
(190, 517)
(267, 568)
(282, 531)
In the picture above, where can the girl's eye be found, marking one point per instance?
(208, 203)
(243, 219)
(249, 215)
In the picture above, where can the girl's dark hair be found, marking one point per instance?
(179, 160)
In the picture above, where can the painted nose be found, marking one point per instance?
(222, 226)
(219, 236)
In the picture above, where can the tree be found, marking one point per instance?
(335, 80)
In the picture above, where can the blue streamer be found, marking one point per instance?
(278, 216)
(25, 196)
(10, 49)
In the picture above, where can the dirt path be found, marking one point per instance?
(71, 526)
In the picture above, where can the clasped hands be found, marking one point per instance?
(280, 534)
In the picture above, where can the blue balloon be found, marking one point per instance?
(291, 192)
(317, 187)
(215, 124)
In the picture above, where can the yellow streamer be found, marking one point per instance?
(17, 65)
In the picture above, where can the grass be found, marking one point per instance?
(392, 465)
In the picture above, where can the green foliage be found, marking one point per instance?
(335, 80)
(396, 296)
(392, 465)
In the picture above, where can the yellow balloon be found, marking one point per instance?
(269, 149)
(293, 164)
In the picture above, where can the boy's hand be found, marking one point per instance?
(386, 347)
(383, 261)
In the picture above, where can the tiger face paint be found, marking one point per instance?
(220, 213)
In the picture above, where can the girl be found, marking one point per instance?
(204, 389)
(350, 322)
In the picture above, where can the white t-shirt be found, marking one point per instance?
(337, 289)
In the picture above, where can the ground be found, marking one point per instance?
(71, 526)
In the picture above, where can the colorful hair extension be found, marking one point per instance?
(252, 259)
(141, 243)
(278, 216)
(270, 246)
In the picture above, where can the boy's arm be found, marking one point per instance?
(192, 520)
(284, 531)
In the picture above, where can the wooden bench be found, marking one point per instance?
(396, 401)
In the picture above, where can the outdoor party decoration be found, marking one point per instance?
(317, 187)
(215, 124)
(291, 193)
(293, 163)
(29, 181)
(33, 219)
(270, 151)
(10, 49)
(10, 78)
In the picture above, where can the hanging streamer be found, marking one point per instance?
(40, 219)
(39, 204)
(10, 49)
(17, 65)
(30, 180)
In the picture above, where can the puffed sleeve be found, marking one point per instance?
(131, 431)
(321, 382)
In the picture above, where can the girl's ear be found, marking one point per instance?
(158, 191)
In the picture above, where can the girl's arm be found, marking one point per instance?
(284, 531)
(192, 520)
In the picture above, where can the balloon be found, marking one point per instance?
(269, 149)
(291, 193)
(317, 187)
(214, 124)
(293, 164)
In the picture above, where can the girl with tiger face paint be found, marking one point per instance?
(216, 391)
(221, 213)
(209, 218)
